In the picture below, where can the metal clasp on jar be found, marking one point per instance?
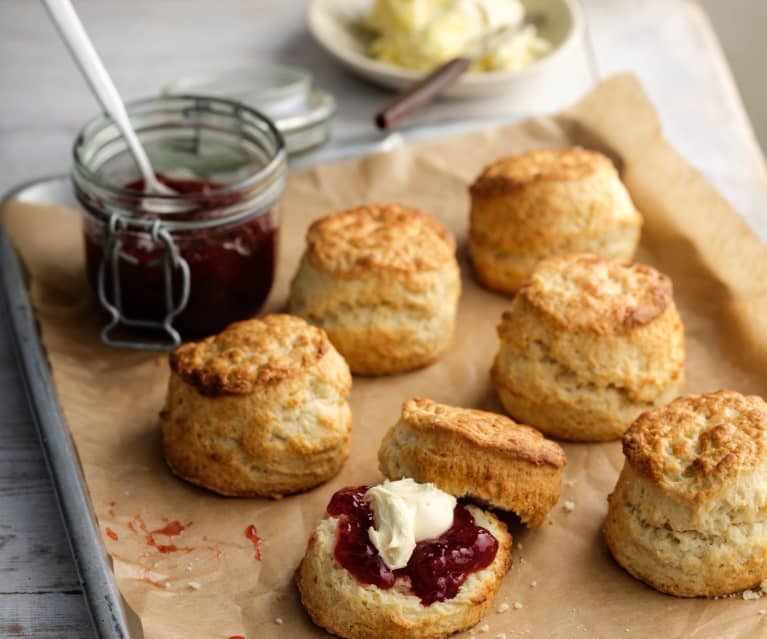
(171, 261)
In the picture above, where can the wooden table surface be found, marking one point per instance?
(669, 44)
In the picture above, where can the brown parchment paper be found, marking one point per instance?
(214, 587)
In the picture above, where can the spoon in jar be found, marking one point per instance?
(80, 46)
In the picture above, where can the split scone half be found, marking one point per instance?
(366, 574)
(688, 515)
(476, 454)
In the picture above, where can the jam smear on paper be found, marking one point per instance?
(252, 534)
(170, 529)
(437, 568)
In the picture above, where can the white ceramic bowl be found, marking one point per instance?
(336, 25)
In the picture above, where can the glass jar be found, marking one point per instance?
(187, 264)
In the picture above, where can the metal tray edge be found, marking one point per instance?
(93, 565)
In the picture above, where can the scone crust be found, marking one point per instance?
(476, 454)
(336, 601)
(290, 432)
(386, 237)
(383, 282)
(591, 293)
(689, 512)
(537, 167)
(250, 354)
(587, 345)
(699, 445)
(547, 202)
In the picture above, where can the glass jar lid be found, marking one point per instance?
(301, 113)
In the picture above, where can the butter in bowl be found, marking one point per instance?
(499, 35)
(395, 43)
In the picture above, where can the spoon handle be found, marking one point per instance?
(80, 46)
(421, 93)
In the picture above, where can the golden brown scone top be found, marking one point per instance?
(696, 445)
(378, 237)
(588, 292)
(250, 354)
(547, 165)
(484, 429)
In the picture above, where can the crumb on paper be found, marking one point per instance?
(761, 612)
(484, 628)
(533, 583)
(569, 506)
(503, 607)
(750, 595)
(627, 630)
(519, 545)
(167, 584)
(500, 635)
(278, 621)
(188, 567)
(194, 585)
(522, 561)
(518, 605)
(570, 483)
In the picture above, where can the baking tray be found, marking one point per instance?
(111, 618)
(93, 564)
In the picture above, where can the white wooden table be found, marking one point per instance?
(146, 43)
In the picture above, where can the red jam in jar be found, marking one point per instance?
(185, 264)
(437, 568)
(231, 268)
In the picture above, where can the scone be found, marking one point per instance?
(587, 345)
(688, 515)
(475, 454)
(348, 589)
(384, 283)
(543, 203)
(258, 410)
